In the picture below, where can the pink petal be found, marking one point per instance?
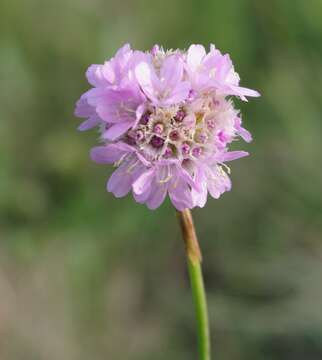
(171, 72)
(180, 195)
(218, 182)
(188, 179)
(242, 92)
(223, 67)
(116, 130)
(120, 182)
(194, 56)
(100, 75)
(179, 93)
(145, 74)
(143, 160)
(143, 183)
(89, 124)
(138, 113)
(83, 109)
(123, 51)
(246, 135)
(109, 154)
(199, 196)
(142, 198)
(233, 155)
(158, 194)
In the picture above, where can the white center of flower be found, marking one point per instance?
(182, 132)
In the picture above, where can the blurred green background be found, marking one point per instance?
(86, 276)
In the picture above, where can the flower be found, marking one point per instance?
(166, 119)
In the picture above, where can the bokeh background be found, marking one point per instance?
(86, 276)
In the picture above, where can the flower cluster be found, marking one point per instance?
(166, 119)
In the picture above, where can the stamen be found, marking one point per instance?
(168, 178)
(119, 162)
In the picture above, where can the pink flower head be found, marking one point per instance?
(166, 123)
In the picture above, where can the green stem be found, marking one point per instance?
(199, 296)
(197, 285)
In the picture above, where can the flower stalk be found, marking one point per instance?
(194, 259)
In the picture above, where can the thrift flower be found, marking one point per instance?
(166, 119)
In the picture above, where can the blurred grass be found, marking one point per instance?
(83, 275)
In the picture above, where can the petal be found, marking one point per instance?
(180, 195)
(143, 160)
(242, 92)
(184, 174)
(194, 56)
(143, 186)
(142, 198)
(224, 67)
(138, 113)
(146, 78)
(212, 58)
(158, 194)
(218, 182)
(119, 63)
(120, 182)
(83, 109)
(100, 75)
(109, 104)
(123, 52)
(171, 72)
(116, 130)
(95, 95)
(245, 134)
(143, 183)
(109, 154)
(179, 93)
(108, 73)
(199, 197)
(89, 124)
(233, 155)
